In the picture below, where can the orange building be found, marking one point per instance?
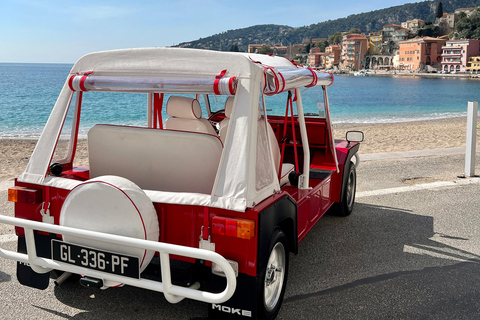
(416, 53)
(354, 49)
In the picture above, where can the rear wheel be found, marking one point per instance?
(273, 278)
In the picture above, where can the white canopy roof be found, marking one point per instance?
(245, 175)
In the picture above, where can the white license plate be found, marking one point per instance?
(95, 259)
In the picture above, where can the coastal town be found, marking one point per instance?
(394, 48)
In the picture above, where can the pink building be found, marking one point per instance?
(455, 54)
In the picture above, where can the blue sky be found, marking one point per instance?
(61, 31)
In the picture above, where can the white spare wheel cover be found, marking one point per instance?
(114, 205)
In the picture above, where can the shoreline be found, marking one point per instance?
(379, 138)
(400, 74)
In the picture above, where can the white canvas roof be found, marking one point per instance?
(244, 177)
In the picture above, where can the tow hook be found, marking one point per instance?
(91, 282)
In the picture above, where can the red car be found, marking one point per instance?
(201, 207)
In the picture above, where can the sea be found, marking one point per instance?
(28, 93)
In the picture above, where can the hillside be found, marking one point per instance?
(366, 22)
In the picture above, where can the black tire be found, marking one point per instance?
(273, 278)
(345, 206)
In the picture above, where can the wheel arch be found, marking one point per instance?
(346, 168)
(282, 214)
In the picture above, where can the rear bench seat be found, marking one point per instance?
(163, 160)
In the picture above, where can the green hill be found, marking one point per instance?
(366, 22)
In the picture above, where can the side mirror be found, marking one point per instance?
(354, 136)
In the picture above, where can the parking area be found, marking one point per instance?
(406, 253)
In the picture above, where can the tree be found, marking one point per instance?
(265, 50)
(468, 27)
(336, 38)
(234, 48)
(353, 30)
(439, 12)
(321, 45)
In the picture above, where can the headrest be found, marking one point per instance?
(184, 107)
(229, 106)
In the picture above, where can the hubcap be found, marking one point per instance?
(350, 189)
(274, 275)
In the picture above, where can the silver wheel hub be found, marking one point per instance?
(274, 276)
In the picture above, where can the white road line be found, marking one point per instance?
(7, 238)
(418, 187)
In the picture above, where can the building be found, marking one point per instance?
(455, 54)
(467, 11)
(448, 19)
(354, 49)
(473, 65)
(253, 48)
(388, 30)
(414, 25)
(415, 54)
(400, 34)
(375, 41)
(314, 57)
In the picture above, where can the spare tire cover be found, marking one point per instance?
(113, 205)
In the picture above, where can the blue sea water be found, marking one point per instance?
(29, 91)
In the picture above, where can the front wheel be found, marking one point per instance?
(273, 278)
(345, 206)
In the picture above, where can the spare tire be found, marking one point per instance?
(114, 205)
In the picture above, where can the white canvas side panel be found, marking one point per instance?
(42, 154)
(231, 179)
(236, 181)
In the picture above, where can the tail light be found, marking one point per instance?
(239, 228)
(25, 195)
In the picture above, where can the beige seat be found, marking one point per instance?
(162, 160)
(186, 115)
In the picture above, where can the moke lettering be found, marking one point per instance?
(226, 309)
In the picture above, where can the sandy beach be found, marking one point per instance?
(379, 138)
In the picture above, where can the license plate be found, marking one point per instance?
(95, 259)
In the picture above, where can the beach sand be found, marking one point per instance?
(379, 138)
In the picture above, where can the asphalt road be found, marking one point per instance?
(410, 250)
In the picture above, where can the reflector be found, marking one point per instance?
(24, 195)
(239, 228)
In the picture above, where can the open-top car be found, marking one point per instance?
(204, 200)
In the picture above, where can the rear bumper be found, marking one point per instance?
(173, 293)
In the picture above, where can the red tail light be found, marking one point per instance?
(25, 195)
(239, 228)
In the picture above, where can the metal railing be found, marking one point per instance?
(173, 293)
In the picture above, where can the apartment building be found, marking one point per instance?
(473, 65)
(415, 54)
(354, 49)
(455, 54)
(375, 42)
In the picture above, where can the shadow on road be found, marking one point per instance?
(5, 277)
(378, 263)
(381, 263)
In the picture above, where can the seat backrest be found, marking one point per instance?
(186, 115)
(162, 160)
(275, 147)
(223, 125)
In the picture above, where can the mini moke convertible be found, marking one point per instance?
(212, 191)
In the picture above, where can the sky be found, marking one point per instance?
(61, 31)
